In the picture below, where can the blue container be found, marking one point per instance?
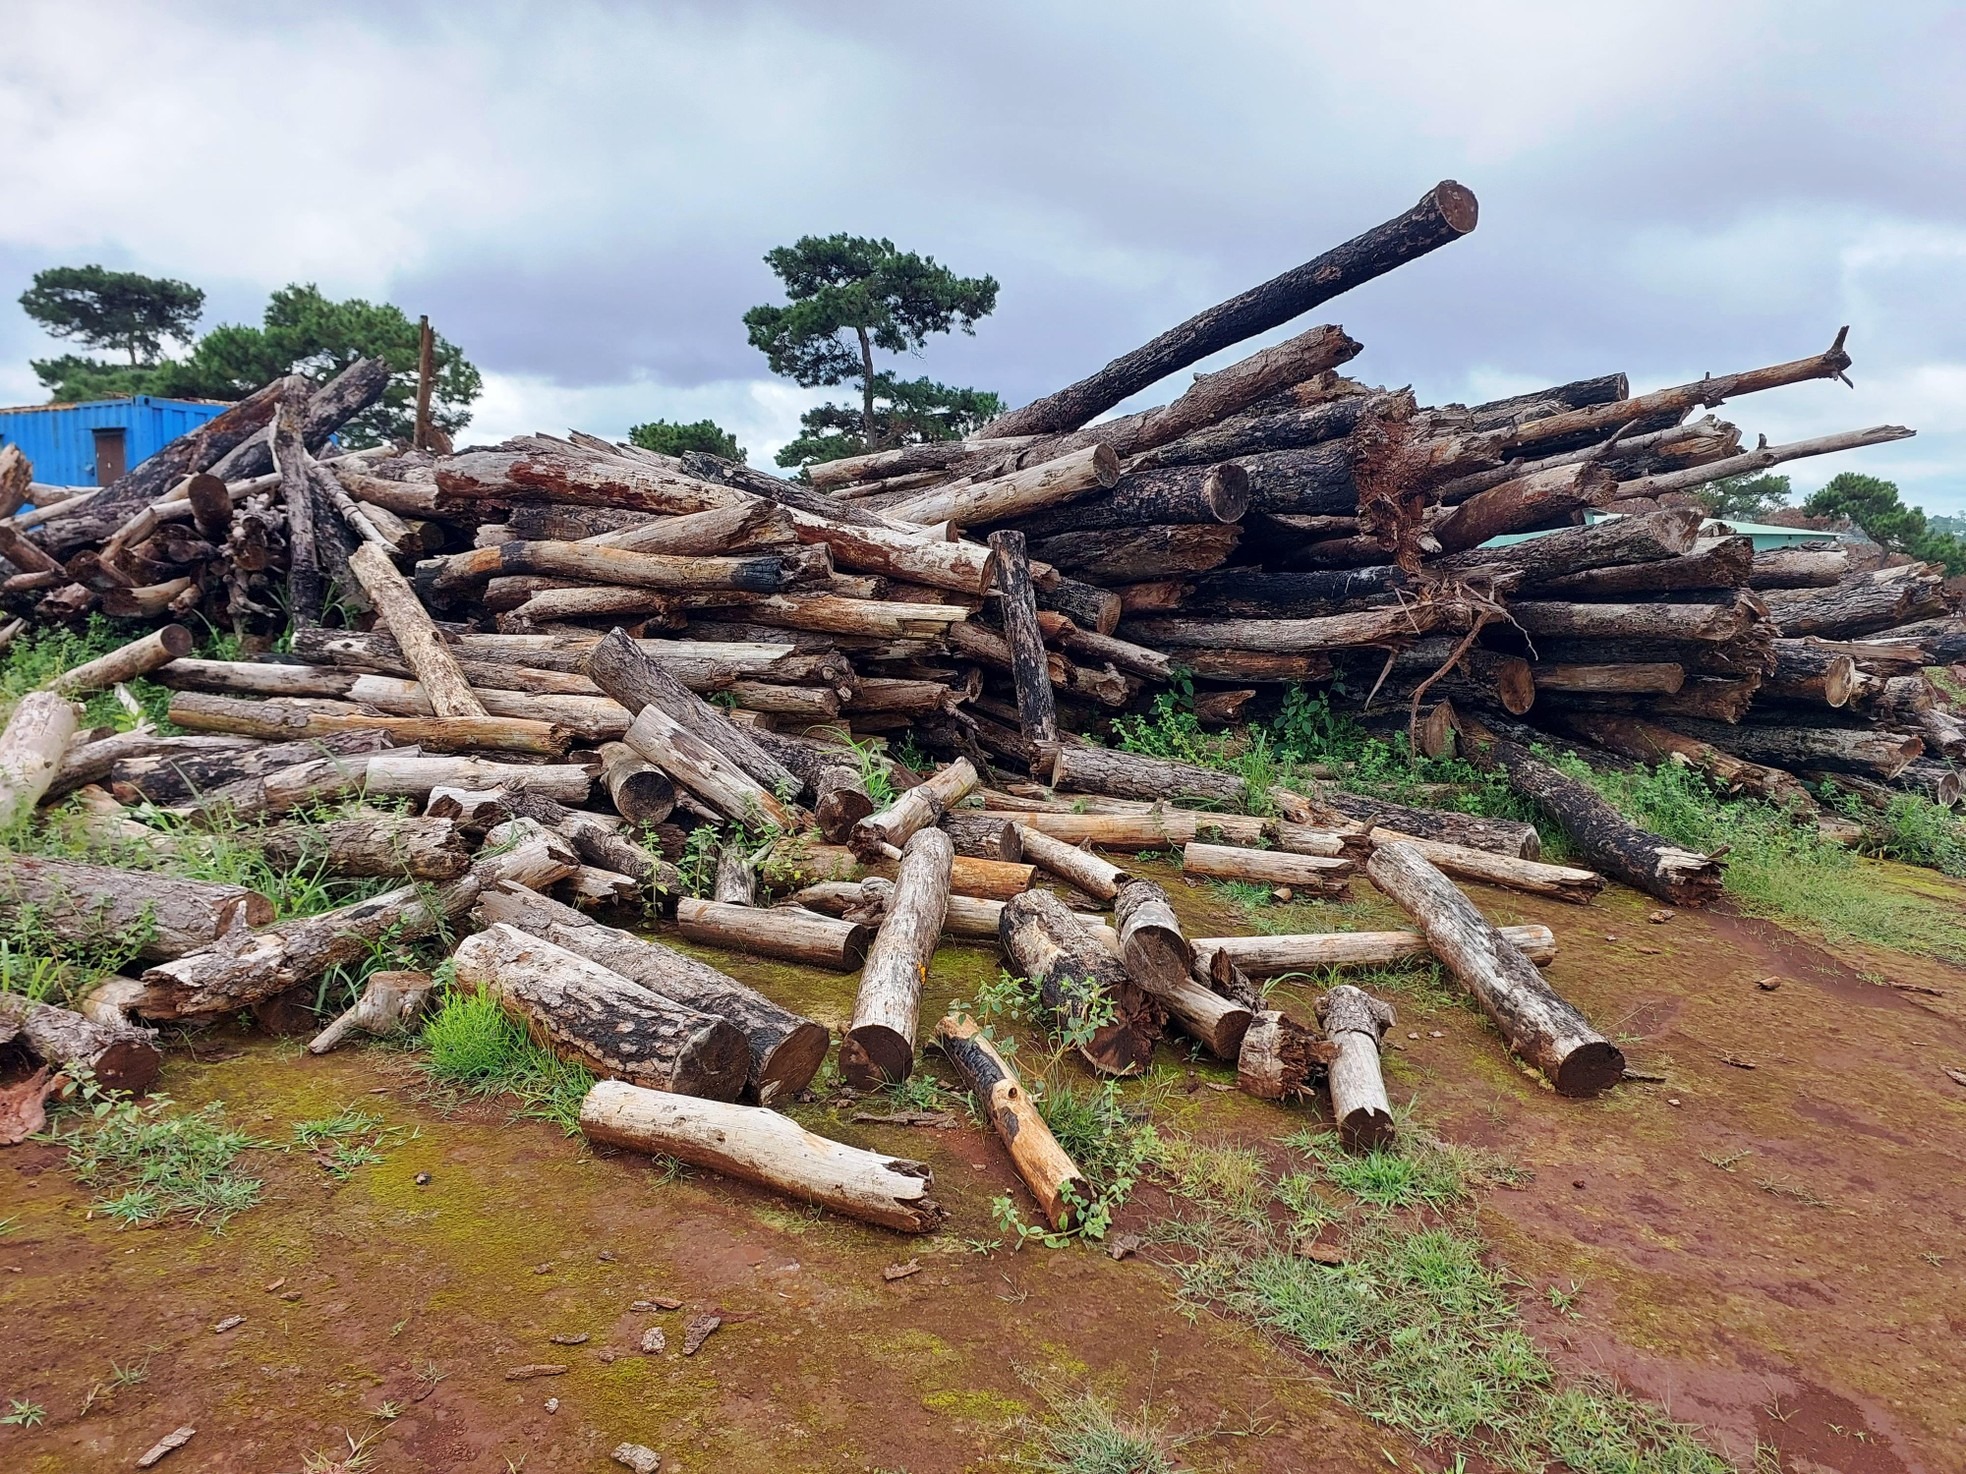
(92, 444)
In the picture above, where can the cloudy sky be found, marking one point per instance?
(580, 194)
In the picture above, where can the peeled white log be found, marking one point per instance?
(1354, 1022)
(1266, 957)
(31, 748)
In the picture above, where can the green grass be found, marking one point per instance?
(348, 1139)
(473, 1046)
(37, 656)
(152, 1163)
(1084, 1434)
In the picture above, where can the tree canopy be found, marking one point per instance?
(1748, 498)
(672, 438)
(120, 310)
(1875, 505)
(849, 295)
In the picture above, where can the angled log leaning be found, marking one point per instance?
(760, 1146)
(879, 1046)
(1159, 959)
(1097, 876)
(786, 1048)
(390, 1001)
(1029, 671)
(1046, 1169)
(916, 809)
(1054, 947)
(790, 932)
(1540, 1027)
(403, 614)
(31, 750)
(138, 658)
(1354, 1023)
(704, 771)
(1266, 957)
(161, 915)
(616, 1028)
(119, 1055)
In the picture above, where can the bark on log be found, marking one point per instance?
(705, 771)
(1798, 568)
(879, 1046)
(596, 841)
(306, 588)
(1878, 754)
(1444, 214)
(1043, 1165)
(1499, 836)
(1312, 874)
(119, 1055)
(964, 567)
(1609, 544)
(1128, 554)
(919, 807)
(789, 932)
(161, 915)
(1278, 1057)
(389, 1001)
(1808, 671)
(402, 613)
(297, 719)
(1563, 882)
(1158, 958)
(1046, 484)
(1264, 957)
(1711, 563)
(1539, 1026)
(1703, 622)
(841, 802)
(786, 1048)
(1043, 939)
(256, 678)
(640, 792)
(1151, 829)
(126, 663)
(1036, 714)
(383, 844)
(1856, 606)
(590, 718)
(760, 1146)
(1354, 1022)
(1655, 676)
(616, 1028)
(1760, 459)
(1649, 742)
(1518, 506)
(31, 750)
(1086, 605)
(1134, 775)
(884, 465)
(1097, 877)
(1180, 494)
(1287, 636)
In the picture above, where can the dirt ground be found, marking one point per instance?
(1766, 1243)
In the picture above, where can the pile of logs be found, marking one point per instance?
(878, 692)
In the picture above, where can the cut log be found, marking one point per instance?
(1657, 676)
(1531, 501)
(31, 751)
(1278, 1057)
(1354, 1022)
(1856, 606)
(1130, 554)
(841, 802)
(640, 792)
(599, 1019)
(381, 844)
(760, 1146)
(1088, 468)
(402, 613)
(256, 678)
(1798, 568)
(879, 1046)
(1043, 1165)
(1500, 836)
(1650, 742)
(1079, 979)
(1446, 213)
(390, 1001)
(916, 809)
(596, 841)
(118, 1055)
(1180, 494)
(126, 663)
(1086, 605)
(1312, 874)
(590, 718)
(786, 1048)
(1097, 877)
(1151, 829)
(1029, 673)
(1287, 636)
(1711, 563)
(283, 719)
(1703, 622)
(1878, 754)
(1563, 882)
(1540, 1027)
(1119, 774)
(705, 771)
(159, 916)
(1612, 543)
(306, 587)
(1691, 478)
(410, 774)
(1809, 671)
(789, 932)
(1309, 952)
(1158, 958)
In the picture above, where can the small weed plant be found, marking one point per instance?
(474, 1047)
(153, 1163)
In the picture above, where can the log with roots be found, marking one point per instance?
(1279, 1057)
(1098, 877)
(1046, 1169)
(1265, 957)
(915, 810)
(379, 844)
(1540, 1027)
(1082, 983)
(760, 1146)
(1159, 959)
(589, 1014)
(117, 1054)
(126, 662)
(1354, 1023)
(31, 749)
(788, 932)
(157, 916)
(879, 1046)
(390, 1001)
(786, 1048)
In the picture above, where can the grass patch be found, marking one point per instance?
(153, 1165)
(474, 1047)
(37, 656)
(348, 1139)
(1085, 1434)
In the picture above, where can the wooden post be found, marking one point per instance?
(305, 590)
(1539, 1026)
(1052, 1176)
(879, 1047)
(1354, 1022)
(426, 373)
(760, 1146)
(1029, 672)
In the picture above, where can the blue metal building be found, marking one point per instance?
(92, 444)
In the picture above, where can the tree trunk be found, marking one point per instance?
(1051, 1175)
(1562, 882)
(1856, 606)
(841, 802)
(1128, 554)
(1539, 1026)
(1521, 505)
(31, 750)
(1654, 677)
(640, 792)
(1807, 671)
(964, 567)
(1287, 636)
(126, 663)
(1797, 568)
(591, 718)
(119, 1055)
(1261, 594)
(699, 535)
(885, 465)
(1702, 622)
(1158, 959)
(972, 504)
(1311, 951)
(293, 720)
(786, 1049)
(917, 809)
(1278, 1057)
(1879, 754)
(1712, 563)
(1086, 605)
(1613, 543)
(1180, 494)
(1152, 829)
(1018, 609)
(389, 1001)
(406, 773)
(1354, 1022)
(256, 678)
(595, 840)
(306, 589)
(760, 1146)
(1760, 459)
(788, 932)
(160, 915)
(1096, 876)
(1134, 775)
(599, 1019)
(1444, 214)
(1498, 836)
(402, 613)
(1311, 874)
(1077, 977)
(383, 844)
(879, 1046)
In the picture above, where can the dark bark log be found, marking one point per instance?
(1262, 428)
(174, 772)
(1255, 665)
(1533, 501)
(1658, 676)
(1856, 606)
(1086, 605)
(1049, 944)
(616, 1028)
(1125, 554)
(160, 916)
(1500, 836)
(595, 840)
(118, 1055)
(1134, 775)
(1609, 544)
(1446, 213)
(1652, 742)
(1808, 671)
(1539, 1026)
(306, 588)
(1182, 494)
(786, 1048)
(1943, 640)
(1878, 754)
(1158, 958)
(879, 1046)
(1257, 593)
(1798, 568)
(1288, 636)
(1053, 1178)
(1715, 623)
(1354, 1023)
(1713, 563)
(1311, 481)
(1037, 714)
